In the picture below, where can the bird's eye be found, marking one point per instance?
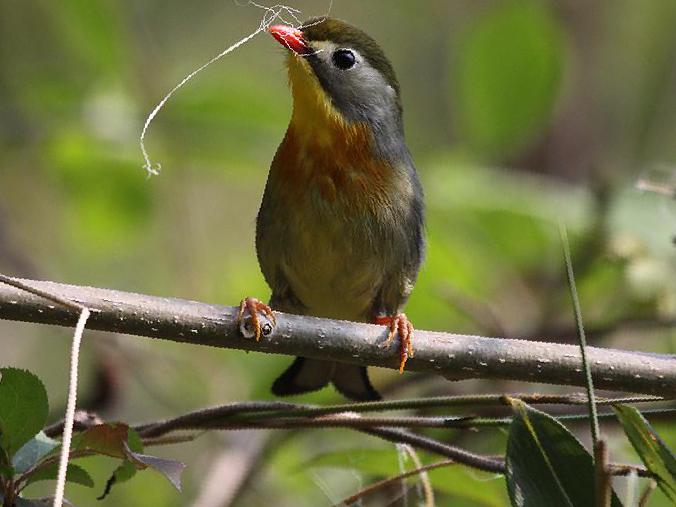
(344, 59)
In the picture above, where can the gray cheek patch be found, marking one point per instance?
(360, 93)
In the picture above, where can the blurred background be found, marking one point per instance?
(518, 114)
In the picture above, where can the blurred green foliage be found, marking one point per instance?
(576, 97)
(509, 76)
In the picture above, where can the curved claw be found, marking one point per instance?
(252, 306)
(399, 324)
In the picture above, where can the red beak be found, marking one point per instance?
(291, 38)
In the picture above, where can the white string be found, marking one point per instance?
(276, 12)
(70, 408)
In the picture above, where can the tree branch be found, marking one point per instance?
(451, 355)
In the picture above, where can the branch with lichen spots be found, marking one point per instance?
(454, 356)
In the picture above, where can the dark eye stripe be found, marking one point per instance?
(344, 59)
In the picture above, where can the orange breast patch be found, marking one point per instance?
(334, 161)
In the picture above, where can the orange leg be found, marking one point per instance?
(252, 306)
(400, 324)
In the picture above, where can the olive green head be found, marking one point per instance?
(340, 74)
(353, 71)
(345, 35)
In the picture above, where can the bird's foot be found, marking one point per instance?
(252, 307)
(399, 324)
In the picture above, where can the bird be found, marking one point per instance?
(340, 230)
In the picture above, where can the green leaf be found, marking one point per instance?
(106, 439)
(171, 469)
(32, 452)
(23, 408)
(74, 473)
(126, 470)
(134, 441)
(122, 473)
(546, 464)
(509, 74)
(652, 450)
(117, 440)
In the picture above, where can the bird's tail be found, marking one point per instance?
(306, 375)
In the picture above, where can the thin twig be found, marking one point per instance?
(372, 488)
(282, 415)
(82, 420)
(470, 459)
(506, 421)
(448, 401)
(348, 420)
(217, 418)
(621, 469)
(199, 418)
(339, 421)
(647, 492)
(170, 440)
(253, 410)
(603, 481)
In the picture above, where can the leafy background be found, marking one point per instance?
(518, 113)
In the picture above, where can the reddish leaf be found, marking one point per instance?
(107, 439)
